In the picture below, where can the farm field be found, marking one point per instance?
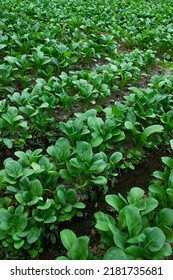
(86, 129)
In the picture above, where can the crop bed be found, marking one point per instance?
(86, 129)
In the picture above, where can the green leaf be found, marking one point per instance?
(155, 239)
(137, 239)
(7, 142)
(33, 235)
(152, 129)
(129, 125)
(36, 188)
(34, 253)
(96, 141)
(13, 169)
(71, 195)
(135, 194)
(158, 192)
(104, 221)
(115, 201)
(64, 258)
(19, 244)
(120, 238)
(46, 206)
(170, 194)
(115, 158)
(50, 220)
(135, 252)
(79, 250)
(115, 253)
(84, 150)
(68, 238)
(65, 175)
(2, 46)
(22, 197)
(171, 143)
(168, 161)
(165, 217)
(165, 251)
(150, 204)
(5, 225)
(100, 180)
(133, 220)
(61, 196)
(79, 205)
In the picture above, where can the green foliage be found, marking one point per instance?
(73, 115)
(137, 232)
(77, 247)
(28, 182)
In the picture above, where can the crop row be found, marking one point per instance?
(32, 208)
(35, 112)
(80, 100)
(87, 156)
(140, 226)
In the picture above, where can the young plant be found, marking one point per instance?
(77, 247)
(135, 232)
(85, 166)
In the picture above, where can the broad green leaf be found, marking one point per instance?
(171, 143)
(71, 195)
(165, 251)
(129, 125)
(137, 239)
(115, 158)
(7, 142)
(34, 253)
(133, 220)
(19, 244)
(33, 235)
(36, 188)
(68, 238)
(135, 252)
(115, 253)
(46, 206)
(79, 205)
(61, 196)
(84, 150)
(2, 46)
(115, 201)
(65, 175)
(50, 220)
(100, 180)
(135, 194)
(155, 239)
(165, 217)
(79, 250)
(13, 169)
(96, 141)
(170, 194)
(104, 221)
(18, 222)
(150, 204)
(120, 238)
(168, 161)
(158, 175)
(152, 129)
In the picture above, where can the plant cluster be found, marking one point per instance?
(139, 228)
(85, 93)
